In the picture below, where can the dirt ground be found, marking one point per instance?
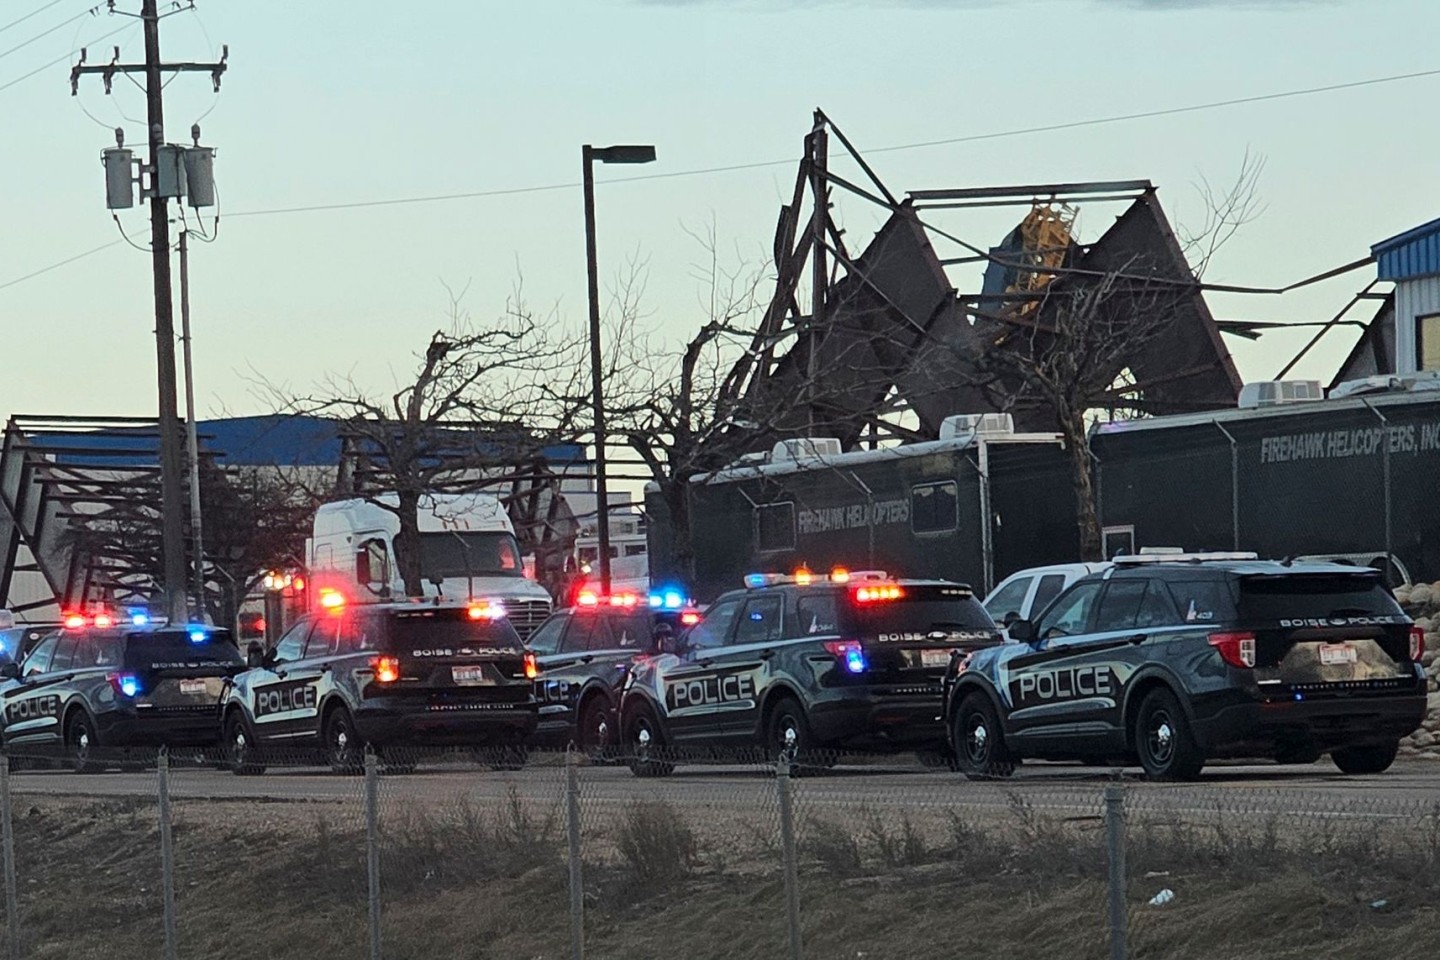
(288, 880)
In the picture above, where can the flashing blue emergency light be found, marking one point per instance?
(129, 685)
(667, 599)
(197, 636)
(855, 660)
(656, 600)
(139, 619)
(754, 579)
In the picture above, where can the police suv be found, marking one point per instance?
(1175, 660)
(805, 663)
(585, 653)
(390, 675)
(100, 690)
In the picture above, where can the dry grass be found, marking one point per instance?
(287, 881)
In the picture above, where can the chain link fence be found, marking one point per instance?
(566, 856)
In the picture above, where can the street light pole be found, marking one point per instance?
(589, 154)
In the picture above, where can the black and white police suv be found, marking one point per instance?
(390, 675)
(1175, 660)
(585, 653)
(804, 665)
(105, 689)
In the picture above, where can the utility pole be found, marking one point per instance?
(164, 184)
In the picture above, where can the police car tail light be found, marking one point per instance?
(879, 592)
(386, 669)
(124, 684)
(532, 667)
(849, 653)
(1236, 649)
(1417, 643)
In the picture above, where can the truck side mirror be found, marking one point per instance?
(362, 566)
(1021, 631)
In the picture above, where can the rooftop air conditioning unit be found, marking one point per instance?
(805, 448)
(1270, 393)
(967, 425)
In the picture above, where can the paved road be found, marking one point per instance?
(1408, 789)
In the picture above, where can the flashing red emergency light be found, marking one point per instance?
(587, 598)
(103, 620)
(332, 599)
(532, 666)
(74, 621)
(624, 600)
(298, 583)
(486, 610)
(689, 618)
(884, 591)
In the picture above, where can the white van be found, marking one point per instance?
(1023, 595)
(468, 550)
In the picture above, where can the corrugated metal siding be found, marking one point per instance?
(1413, 298)
(1415, 253)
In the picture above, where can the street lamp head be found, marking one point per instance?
(624, 153)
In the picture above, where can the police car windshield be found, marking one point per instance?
(422, 629)
(150, 649)
(1315, 596)
(922, 609)
(468, 553)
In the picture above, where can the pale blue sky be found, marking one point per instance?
(329, 102)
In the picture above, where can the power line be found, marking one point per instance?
(516, 191)
(42, 36)
(32, 13)
(62, 263)
(62, 59)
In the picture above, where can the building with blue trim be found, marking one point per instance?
(1412, 261)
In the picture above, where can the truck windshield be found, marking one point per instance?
(468, 553)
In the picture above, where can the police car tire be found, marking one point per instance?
(81, 759)
(593, 711)
(249, 765)
(788, 714)
(347, 760)
(644, 767)
(1181, 757)
(1369, 758)
(996, 761)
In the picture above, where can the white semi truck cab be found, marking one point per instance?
(468, 550)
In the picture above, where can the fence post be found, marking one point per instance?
(577, 878)
(167, 851)
(1115, 846)
(12, 892)
(372, 846)
(787, 847)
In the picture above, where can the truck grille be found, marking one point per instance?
(526, 615)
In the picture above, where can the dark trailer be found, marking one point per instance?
(915, 510)
(1352, 479)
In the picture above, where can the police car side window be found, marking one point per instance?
(814, 615)
(39, 659)
(323, 638)
(714, 630)
(64, 653)
(1156, 610)
(1070, 614)
(578, 633)
(760, 620)
(292, 645)
(349, 634)
(1120, 605)
(547, 638)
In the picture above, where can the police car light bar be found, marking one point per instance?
(1161, 555)
(485, 610)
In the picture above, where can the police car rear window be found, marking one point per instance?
(424, 629)
(166, 647)
(1264, 599)
(922, 609)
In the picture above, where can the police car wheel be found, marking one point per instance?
(980, 751)
(642, 741)
(1370, 758)
(789, 736)
(343, 749)
(244, 754)
(81, 744)
(1163, 740)
(593, 731)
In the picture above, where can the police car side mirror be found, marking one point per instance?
(10, 671)
(254, 656)
(1021, 631)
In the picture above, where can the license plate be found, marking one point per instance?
(934, 658)
(1335, 653)
(468, 674)
(192, 686)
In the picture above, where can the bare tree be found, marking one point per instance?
(478, 411)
